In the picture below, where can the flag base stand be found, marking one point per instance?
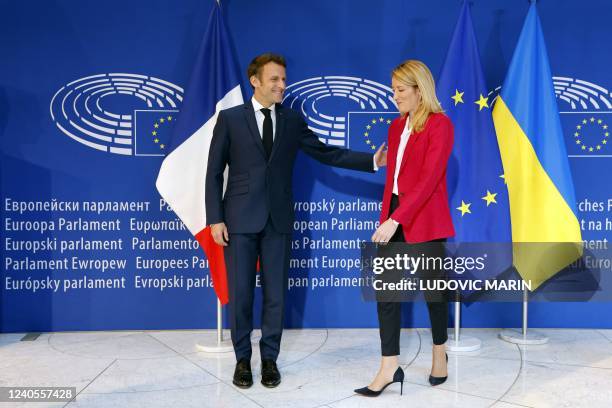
(225, 346)
(522, 337)
(222, 346)
(463, 344)
(518, 337)
(457, 343)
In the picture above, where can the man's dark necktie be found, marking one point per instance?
(267, 132)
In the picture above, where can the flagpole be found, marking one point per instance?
(544, 222)
(461, 71)
(522, 337)
(188, 147)
(219, 322)
(456, 342)
(222, 346)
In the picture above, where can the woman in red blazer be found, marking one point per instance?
(415, 210)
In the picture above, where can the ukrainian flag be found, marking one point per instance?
(545, 229)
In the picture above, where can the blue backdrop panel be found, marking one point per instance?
(90, 91)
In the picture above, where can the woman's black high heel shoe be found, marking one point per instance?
(437, 380)
(397, 377)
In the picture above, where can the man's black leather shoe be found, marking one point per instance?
(270, 377)
(243, 377)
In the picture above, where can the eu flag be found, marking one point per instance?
(477, 190)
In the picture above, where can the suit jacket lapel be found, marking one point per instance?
(411, 141)
(393, 150)
(407, 148)
(280, 127)
(249, 113)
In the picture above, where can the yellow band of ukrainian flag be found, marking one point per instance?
(545, 229)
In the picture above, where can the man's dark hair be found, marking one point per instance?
(259, 61)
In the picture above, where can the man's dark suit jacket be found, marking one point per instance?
(258, 188)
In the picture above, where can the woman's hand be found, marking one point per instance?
(384, 232)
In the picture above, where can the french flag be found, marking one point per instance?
(214, 85)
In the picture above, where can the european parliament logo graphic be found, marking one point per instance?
(585, 110)
(344, 111)
(119, 113)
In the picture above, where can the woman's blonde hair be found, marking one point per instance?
(415, 73)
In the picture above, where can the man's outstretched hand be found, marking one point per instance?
(380, 157)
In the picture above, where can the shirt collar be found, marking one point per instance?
(407, 127)
(258, 106)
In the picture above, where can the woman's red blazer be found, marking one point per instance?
(423, 211)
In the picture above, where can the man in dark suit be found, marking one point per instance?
(254, 220)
